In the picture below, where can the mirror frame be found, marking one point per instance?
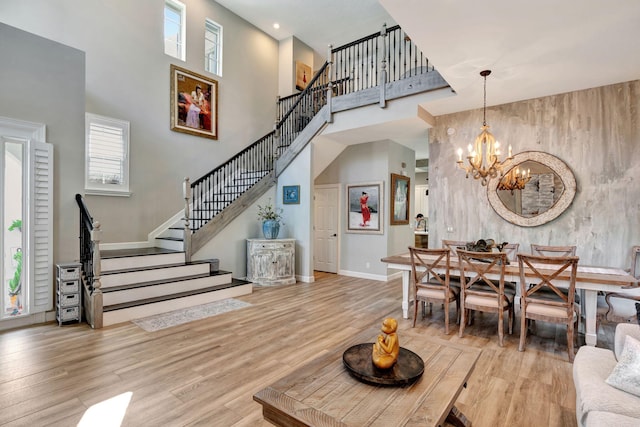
(558, 166)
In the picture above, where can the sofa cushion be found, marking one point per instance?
(622, 330)
(608, 419)
(626, 374)
(591, 368)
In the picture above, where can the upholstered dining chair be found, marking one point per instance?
(557, 305)
(431, 287)
(511, 249)
(479, 292)
(625, 307)
(544, 250)
(453, 245)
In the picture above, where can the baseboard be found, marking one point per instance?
(396, 275)
(28, 320)
(305, 279)
(361, 275)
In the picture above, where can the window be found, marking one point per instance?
(174, 29)
(107, 155)
(213, 47)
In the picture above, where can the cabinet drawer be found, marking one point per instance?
(69, 287)
(69, 273)
(69, 313)
(69, 300)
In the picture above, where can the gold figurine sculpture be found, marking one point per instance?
(386, 349)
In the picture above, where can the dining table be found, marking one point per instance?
(589, 280)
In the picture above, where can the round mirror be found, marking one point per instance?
(536, 189)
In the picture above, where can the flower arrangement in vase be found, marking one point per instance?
(271, 219)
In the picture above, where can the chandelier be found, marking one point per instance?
(515, 179)
(484, 154)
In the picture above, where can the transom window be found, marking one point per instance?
(213, 47)
(174, 29)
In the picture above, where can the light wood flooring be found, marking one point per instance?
(206, 372)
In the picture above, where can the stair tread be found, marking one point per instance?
(233, 283)
(163, 281)
(124, 253)
(175, 239)
(155, 267)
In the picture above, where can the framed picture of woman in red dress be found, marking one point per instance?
(194, 103)
(365, 208)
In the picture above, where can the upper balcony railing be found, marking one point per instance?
(382, 57)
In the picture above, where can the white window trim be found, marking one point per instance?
(220, 46)
(182, 55)
(105, 189)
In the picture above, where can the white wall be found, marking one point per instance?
(366, 163)
(127, 77)
(43, 81)
(596, 132)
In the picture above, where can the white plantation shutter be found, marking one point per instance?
(40, 225)
(107, 154)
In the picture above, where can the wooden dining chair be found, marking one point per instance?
(625, 307)
(557, 304)
(453, 245)
(511, 249)
(481, 292)
(544, 250)
(431, 287)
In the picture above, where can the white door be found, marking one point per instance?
(325, 252)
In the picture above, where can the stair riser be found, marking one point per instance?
(118, 279)
(141, 261)
(128, 314)
(136, 294)
(170, 244)
(173, 232)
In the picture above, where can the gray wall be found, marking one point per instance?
(366, 163)
(44, 82)
(595, 131)
(127, 77)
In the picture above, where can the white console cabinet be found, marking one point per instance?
(271, 261)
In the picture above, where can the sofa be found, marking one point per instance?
(597, 402)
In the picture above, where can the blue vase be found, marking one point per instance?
(270, 229)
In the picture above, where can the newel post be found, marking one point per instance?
(383, 68)
(94, 316)
(186, 191)
(330, 79)
(96, 236)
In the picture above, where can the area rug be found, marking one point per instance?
(185, 315)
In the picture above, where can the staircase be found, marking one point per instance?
(125, 285)
(142, 282)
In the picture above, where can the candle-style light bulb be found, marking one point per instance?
(510, 151)
(459, 154)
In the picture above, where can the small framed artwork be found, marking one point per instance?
(303, 75)
(365, 208)
(400, 198)
(194, 103)
(291, 194)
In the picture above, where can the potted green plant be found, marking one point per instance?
(15, 283)
(271, 219)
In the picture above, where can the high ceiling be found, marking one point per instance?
(534, 48)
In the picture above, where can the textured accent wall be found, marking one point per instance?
(595, 131)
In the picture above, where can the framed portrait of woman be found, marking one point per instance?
(194, 103)
(400, 197)
(365, 208)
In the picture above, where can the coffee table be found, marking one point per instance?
(323, 393)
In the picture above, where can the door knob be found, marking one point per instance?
(334, 235)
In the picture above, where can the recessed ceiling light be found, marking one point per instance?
(276, 25)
